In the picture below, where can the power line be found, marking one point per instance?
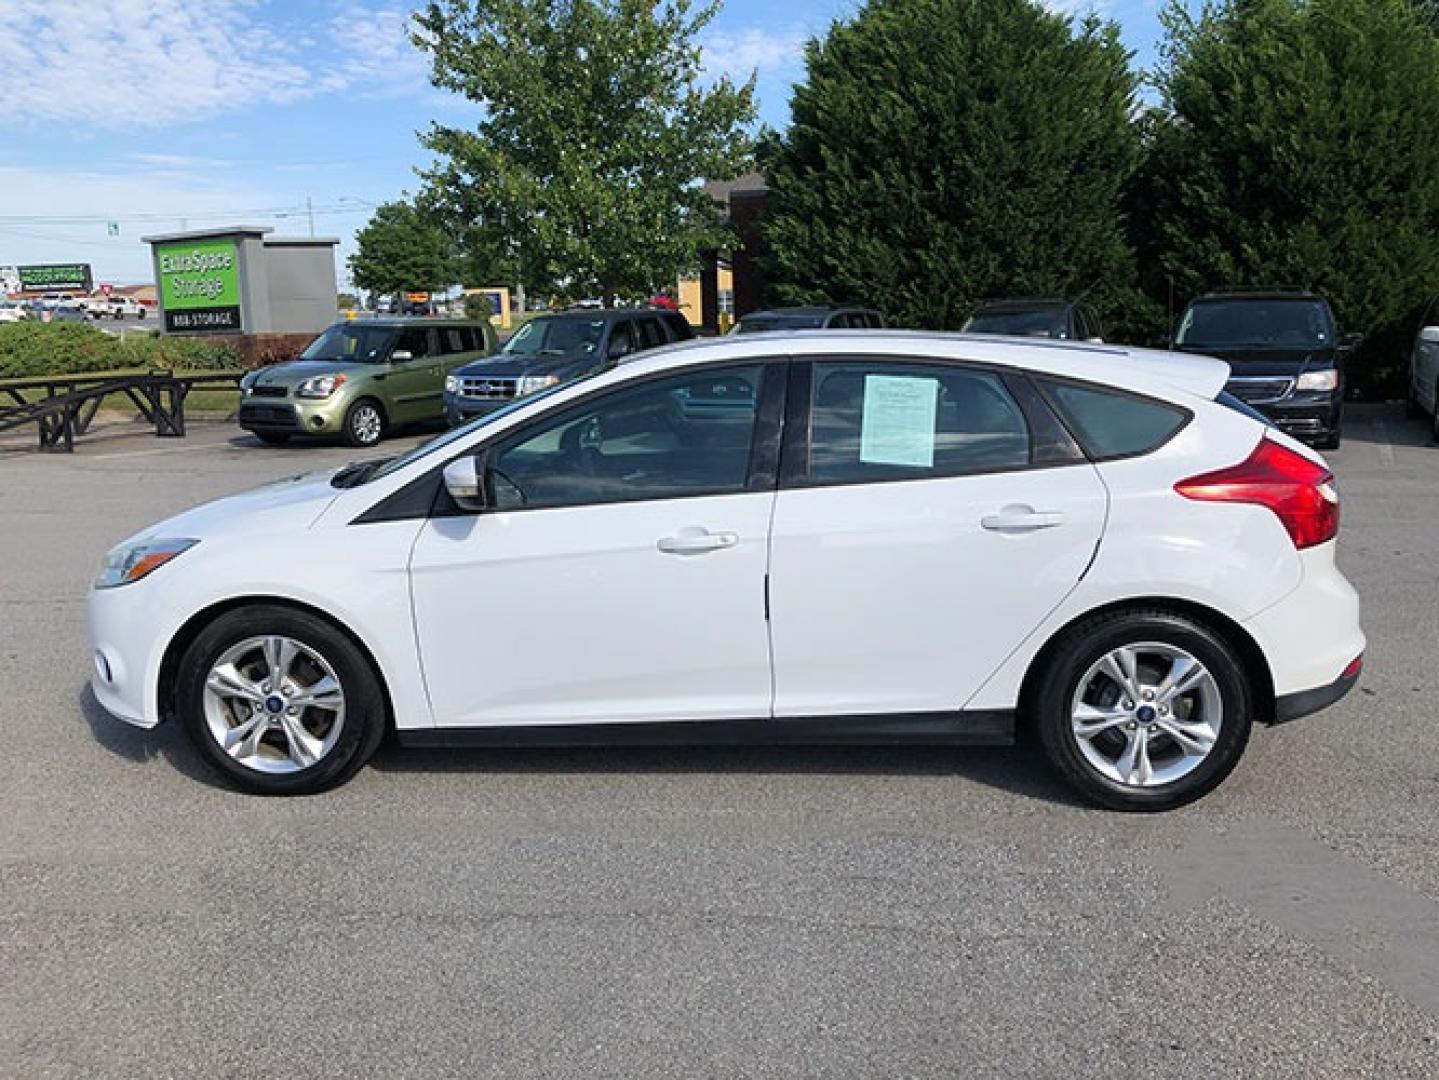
(346, 205)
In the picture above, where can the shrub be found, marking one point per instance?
(35, 348)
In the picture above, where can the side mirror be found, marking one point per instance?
(1350, 342)
(465, 481)
(1429, 335)
(402, 354)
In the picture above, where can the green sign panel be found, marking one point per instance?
(64, 277)
(200, 286)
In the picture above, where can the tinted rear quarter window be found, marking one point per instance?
(1111, 424)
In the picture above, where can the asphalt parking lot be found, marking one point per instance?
(704, 912)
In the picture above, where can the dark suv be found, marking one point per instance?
(552, 349)
(1285, 356)
(1066, 320)
(809, 318)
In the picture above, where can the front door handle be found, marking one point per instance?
(1021, 519)
(696, 541)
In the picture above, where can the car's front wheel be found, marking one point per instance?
(1142, 710)
(364, 423)
(279, 700)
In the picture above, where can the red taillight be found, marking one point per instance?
(1355, 667)
(1300, 493)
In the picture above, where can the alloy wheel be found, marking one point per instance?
(274, 704)
(1146, 714)
(366, 424)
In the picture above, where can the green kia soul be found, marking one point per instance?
(362, 378)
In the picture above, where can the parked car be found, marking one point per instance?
(58, 311)
(13, 311)
(359, 380)
(1064, 320)
(1286, 357)
(880, 538)
(122, 306)
(1423, 397)
(552, 349)
(95, 306)
(809, 318)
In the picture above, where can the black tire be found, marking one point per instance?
(140, 314)
(272, 438)
(358, 428)
(363, 726)
(1049, 698)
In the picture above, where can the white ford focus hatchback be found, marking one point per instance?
(867, 537)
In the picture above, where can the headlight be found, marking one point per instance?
(320, 386)
(530, 383)
(131, 562)
(1318, 380)
(452, 384)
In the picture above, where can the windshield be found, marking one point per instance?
(556, 337)
(1259, 323)
(439, 442)
(1044, 322)
(759, 324)
(362, 344)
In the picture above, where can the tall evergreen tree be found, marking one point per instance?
(1295, 145)
(943, 151)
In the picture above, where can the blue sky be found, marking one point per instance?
(163, 114)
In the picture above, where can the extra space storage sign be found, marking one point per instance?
(200, 286)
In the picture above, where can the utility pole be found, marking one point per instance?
(310, 212)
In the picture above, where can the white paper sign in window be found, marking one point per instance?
(898, 421)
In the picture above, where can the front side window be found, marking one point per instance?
(685, 435)
(415, 341)
(898, 421)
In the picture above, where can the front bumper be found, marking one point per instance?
(1310, 417)
(296, 417)
(125, 652)
(459, 409)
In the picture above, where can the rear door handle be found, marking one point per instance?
(1021, 519)
(696, 541)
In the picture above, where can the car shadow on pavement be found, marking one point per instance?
(1018, 770)
(142, 746)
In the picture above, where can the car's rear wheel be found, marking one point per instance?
(364, 423)
(1142, 710)
(279, 701)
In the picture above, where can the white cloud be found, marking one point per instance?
(164, 62)
(739, 54)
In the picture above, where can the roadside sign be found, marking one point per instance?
(56, 277)
(107, 289)
(418, 297)
(199, 286)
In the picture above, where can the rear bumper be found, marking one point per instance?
(1293, 706)
(1311, 637)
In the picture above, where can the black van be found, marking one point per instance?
(1285, 356)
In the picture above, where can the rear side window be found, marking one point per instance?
(1110, 424)
(888, 421)
(652, 335)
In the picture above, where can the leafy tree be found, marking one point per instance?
(403, 248)
(1295, 146)
(583, 174)
(943, 151)
(347, 301)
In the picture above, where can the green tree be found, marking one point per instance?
(583, 174)
(1295, 145)
(403, 247)
(943, 151)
